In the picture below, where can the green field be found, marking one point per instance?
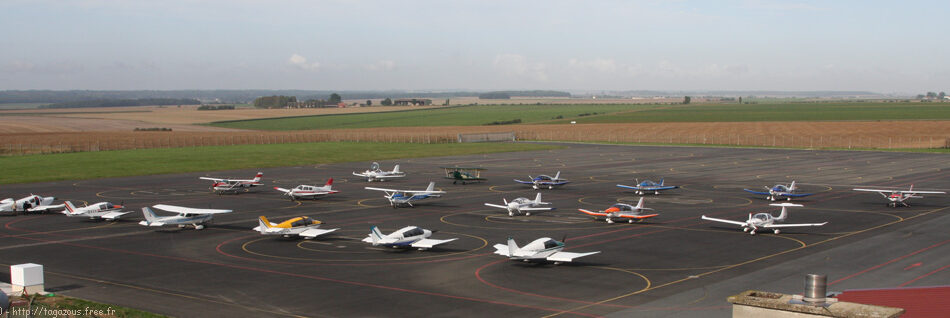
(104, 164)
(782, 112)
(449, 116)
(534, 114)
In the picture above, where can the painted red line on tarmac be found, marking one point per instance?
(922, 276)
(340, 281)
(888, 262)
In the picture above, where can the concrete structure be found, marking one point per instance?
(26, 277)
(753, 303)
(412, 102)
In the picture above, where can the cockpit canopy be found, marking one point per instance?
(780, 187)
(621, 207)
(551, 244)
(762, 216)
(543, 177)
(413, 232)
(521, 200)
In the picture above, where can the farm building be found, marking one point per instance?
(412, 102)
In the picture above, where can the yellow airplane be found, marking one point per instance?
(301, 226)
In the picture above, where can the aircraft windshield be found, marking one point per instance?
(762, 216)
(521, 200)
(622, 207)
(413, 232)
(550, 244)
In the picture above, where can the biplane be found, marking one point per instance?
(465, 175)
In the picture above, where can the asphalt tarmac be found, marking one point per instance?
(672, 265)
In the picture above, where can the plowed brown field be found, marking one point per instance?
(885, 134)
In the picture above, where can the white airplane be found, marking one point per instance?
(411, 236)
(899, 196)
(522, 205)
(186, 216)
(299, 226)
(234, 185)
(101, 210)
(542, 249)
(376, 174)
(304, 191)
(545, 181)
(620, 210)
(765, 220)
(399, 198)
(780, 191)
(647, 186)
(32, 203)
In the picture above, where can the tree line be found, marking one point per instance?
(123, 102)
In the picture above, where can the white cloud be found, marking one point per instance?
(599, 64)
(381, 65)
(518, 65)
(301, 62)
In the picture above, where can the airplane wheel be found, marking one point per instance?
(773, 199)
(629, 221)
(777, 231)
(752, 233)
(181, 225)
(550, 187)
(788, 199)
(535, 187)
(745, 229)
(610, 221)
(511, 214)
(527, 214)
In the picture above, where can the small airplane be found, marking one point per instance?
(399, 198)
(522, 205)
(234, 185)
(647, 185)
(542, 249)
(32, 203)
(300, 226)
(186, 216)
(621, 210)
(101, 210)
(780, 190)
(545, 181)
(304, 191)
(765, 220)
(411, 236)
(899, 196)
(376, 174)
(465, 175)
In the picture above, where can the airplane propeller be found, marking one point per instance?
(564, 238)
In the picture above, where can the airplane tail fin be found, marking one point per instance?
(538, 198)
(396, 169)
(661, 181)
(376, 235)
(431, 186)
(512, 247)
(911, 188)
(258, 177)
(70, 207)
(783, 215)
(329, 183)
(791, 187)
(640, 203)
(265, 224)
(557, 176)
(149, 215)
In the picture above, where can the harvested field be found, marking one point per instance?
(171, 115)
(872, 134)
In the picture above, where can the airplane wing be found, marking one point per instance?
(523, 182)
(151, 224)
(757, 192)
(46, 207)
(361, 174)
(533, 209)
(592, 213)
(186, 210)
(113, 215)
(637, 216)
(723, 220)
(429, 243)
(382, 189)
(390, 176)
(212, 179)
(496, 206)
(628, 187)
(794, 225)
(281, 189)
(311, 233)
(567, 256)
(916, 192)
(794, 195)
(656, 188)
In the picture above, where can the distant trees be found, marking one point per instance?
(941, 95)
(335, 98)
(387, 102)
(446, 102)
(369, 102)
(686, 100)
(276, 101)
(932, 95)
(494, 95)
(215, 107)
(124, 102)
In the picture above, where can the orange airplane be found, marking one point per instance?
(621, 210)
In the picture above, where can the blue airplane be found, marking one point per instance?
(780, 191)
(647, 186)
(399, 198)
(544, 180)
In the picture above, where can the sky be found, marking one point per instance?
(877, 46)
